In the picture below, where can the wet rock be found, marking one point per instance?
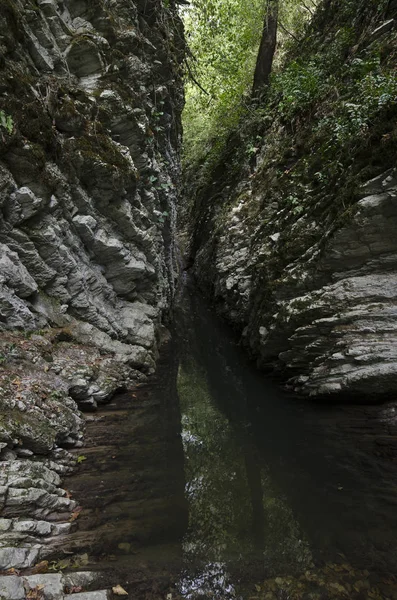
(81, 579)
(52, 586)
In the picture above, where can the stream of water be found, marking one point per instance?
(209, 480)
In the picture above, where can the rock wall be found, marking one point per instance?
(329, 321)
(91, 96)
(296, 243)
(89, 171)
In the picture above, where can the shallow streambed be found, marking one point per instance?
(210, 482)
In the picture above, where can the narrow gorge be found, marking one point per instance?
(198, 329)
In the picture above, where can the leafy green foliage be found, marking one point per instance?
(223, 37)
(298, 86)
(163, 216)
(6, 122)
(327, 125)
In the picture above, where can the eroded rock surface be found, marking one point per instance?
(52, 586)
(293, 224)
(329, 319)
(44, 381)
(89, 172)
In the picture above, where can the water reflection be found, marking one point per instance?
(276, 486)
(209, 479)
(212, 580)
(239, 521)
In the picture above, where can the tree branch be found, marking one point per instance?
(192, 77)
(288, 32)
(307, 8)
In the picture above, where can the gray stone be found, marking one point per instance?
(52, 582)
(14, 274)
(5, 524)
(80, 579)
(11, 588)
(37, 527)
(24, 204)
(97, 595)
(18, 558)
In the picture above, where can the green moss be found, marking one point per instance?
(100, 147)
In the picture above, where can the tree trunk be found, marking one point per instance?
(267, 48)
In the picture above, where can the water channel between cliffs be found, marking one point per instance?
(209, 479)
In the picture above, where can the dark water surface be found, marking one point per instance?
(209, 479)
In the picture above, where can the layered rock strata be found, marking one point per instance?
(329, 319)
(294, 219)
(89, 168)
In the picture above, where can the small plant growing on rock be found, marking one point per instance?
(162, 216)
(6, 122)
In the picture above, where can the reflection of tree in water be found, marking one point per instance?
(215, 475)
(212, 580)
(236, 517)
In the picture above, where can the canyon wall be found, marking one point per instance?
(89, 166)
(91, 97)
(294, 223)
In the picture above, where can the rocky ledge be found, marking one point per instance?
(44, 382)
(53, 586)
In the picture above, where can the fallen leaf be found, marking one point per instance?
(35, 593)
(126, 546)
(119, 591)
(41, 567)
(75, 514)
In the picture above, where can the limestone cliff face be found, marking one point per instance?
(330, 319)
(91, 97)
(297, 245)
(89, 172)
